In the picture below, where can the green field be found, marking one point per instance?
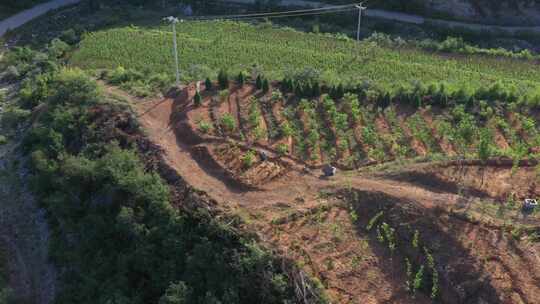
(237, 46)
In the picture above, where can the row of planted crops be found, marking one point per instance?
(354, 129)
(206, 47)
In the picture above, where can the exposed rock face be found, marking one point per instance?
(507, 12)
(462, 8)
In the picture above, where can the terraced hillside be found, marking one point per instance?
(280, 52)
(349, 131)
(397, 232)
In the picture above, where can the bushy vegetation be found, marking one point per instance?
(141, 84)
(454, 45)
(115, 233)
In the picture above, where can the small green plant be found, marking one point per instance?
(415, 239)
(204, 126)
(435, 274)
(283, 149)
(287, 129)
(484, 147)
(516, 233)
(418, 279)
(374, 220)
(248, 159)
(228, 123)
(223, 95)
(259, 133)
(380, 235)
(354, 215)
(408, 281)
(389, 234)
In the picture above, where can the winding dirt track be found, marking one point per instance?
(155, 116)
(285, 213)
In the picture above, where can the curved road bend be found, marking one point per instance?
(25, 16)
(409, 18)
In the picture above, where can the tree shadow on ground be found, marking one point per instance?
(462, 277)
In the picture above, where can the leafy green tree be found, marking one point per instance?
(73, 87)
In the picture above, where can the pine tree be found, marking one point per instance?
(241, 79)
(298, 90)
(208, 83)
(197, 99)
(285, 85)
(332, 92)
(258, 82)
(223, 79)
(340, 91)
(265, 86)
(290, 84)
(315, 89)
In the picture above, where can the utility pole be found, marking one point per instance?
(360, 8)
(174, 21)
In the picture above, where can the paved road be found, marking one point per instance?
(29, 14)
(414, 19)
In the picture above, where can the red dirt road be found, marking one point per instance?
(155, 116)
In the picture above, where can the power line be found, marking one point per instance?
(292, 13)
(280, 16)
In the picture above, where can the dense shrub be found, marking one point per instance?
(114, 232)
(449, 45)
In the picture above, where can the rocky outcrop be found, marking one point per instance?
(503, 12)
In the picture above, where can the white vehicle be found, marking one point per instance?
(530, 204)
(329, 170)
